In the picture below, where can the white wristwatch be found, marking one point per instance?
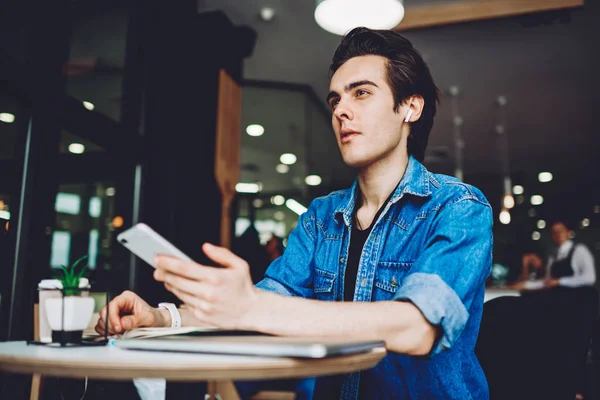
(175, 316)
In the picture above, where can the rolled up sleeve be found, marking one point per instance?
(443, 282)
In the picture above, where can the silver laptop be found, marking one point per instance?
(259, 345)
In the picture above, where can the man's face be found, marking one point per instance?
(560, 233)
(366, 127)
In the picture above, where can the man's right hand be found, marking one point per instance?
(128, 311)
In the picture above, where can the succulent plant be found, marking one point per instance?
(70, 277)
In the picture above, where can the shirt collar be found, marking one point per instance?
(415, 181)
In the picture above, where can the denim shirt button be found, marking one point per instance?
(342, 260)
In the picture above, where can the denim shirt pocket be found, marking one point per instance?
(323, 286)
(388, 278)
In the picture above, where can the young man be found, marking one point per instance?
(401, 256)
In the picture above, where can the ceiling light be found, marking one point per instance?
(282, 168)
(255, 130)
(518, 189)
(257, 203)
(7, 117)
(278, 200)
(313, 180)
(295, 206)
(541, 224)
(76, 148)
(544, 177)
(288, 158)
(340, 16)
(248, 187)
(110, 191)
(536, 200)
(508, 201)
(267, 13)
(88, 105)
(585, 222)
(536, 235)
(504, 217)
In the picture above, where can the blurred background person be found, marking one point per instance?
(274, 247)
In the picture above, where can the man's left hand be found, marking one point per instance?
(221, 296)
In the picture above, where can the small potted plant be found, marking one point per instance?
(69, 314)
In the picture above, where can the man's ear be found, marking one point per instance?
(415, 104)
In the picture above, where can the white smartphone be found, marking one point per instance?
(145, 243)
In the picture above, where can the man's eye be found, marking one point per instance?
(361, 92)
(333, 103)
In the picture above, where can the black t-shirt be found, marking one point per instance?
(357, 241)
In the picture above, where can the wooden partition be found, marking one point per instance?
(453, 12)
(227, 151)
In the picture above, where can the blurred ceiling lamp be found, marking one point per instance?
(545, 177)
(282, 168)
(243, 187)
(255, 130)
(295, 206)
(313, 180)
(340, 16)
(117, 222)
(518, 189)
(7, 118)
(536, 200)
(278, 200)
(504, 217)
(76, 148)
(508, 201)
(88, 105)
(288, 158)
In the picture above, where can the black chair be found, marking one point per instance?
(535, 346)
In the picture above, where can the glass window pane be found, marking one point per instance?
(60, 250)
(95, 68)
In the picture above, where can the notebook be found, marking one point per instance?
(251, 344)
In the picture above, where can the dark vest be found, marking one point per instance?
(563, 267)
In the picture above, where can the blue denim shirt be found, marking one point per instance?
(432, 246)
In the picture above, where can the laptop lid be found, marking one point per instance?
(259, 345)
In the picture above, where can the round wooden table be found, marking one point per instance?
(109, 362)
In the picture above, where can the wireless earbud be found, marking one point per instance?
(408, 114)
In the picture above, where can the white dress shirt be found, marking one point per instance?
(584, 271)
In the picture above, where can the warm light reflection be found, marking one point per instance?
(508, 201)
(117, 221)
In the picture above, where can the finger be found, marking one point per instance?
(189, 286)
(188, 299)
(130, 322)
(223, 256)
(121, 303)
(183, 268)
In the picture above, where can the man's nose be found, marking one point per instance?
(343, 111)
